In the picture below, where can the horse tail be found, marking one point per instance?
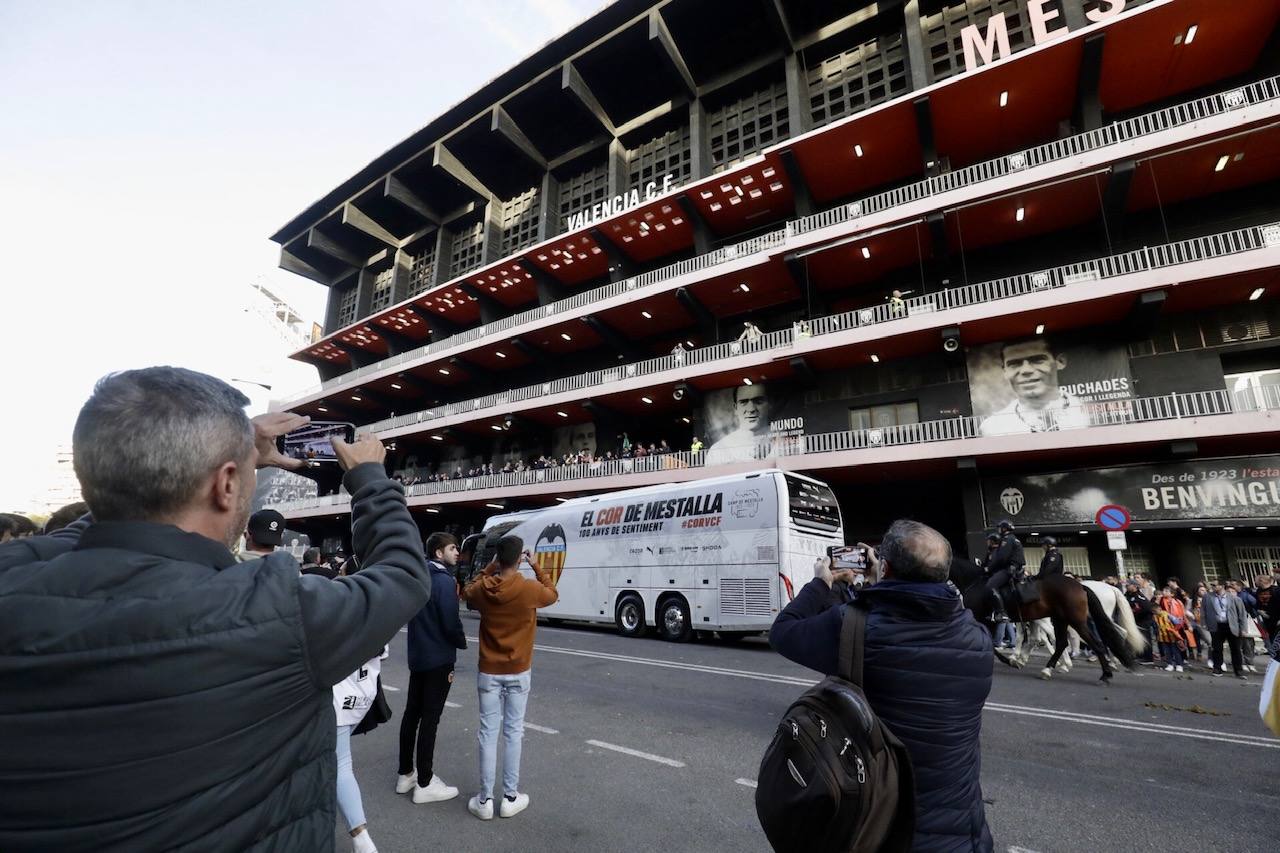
(1112, 637)
(1136, 639)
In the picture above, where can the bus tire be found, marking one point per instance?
(629, 615)
(674, 622)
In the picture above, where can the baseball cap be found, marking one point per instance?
(266, 526)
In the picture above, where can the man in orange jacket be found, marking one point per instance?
(508, 603)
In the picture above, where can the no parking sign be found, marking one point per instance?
(1113, 517)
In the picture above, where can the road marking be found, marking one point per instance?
(1046, 713)
(746, 783)
(543, 729)
(404, 630)
(648, 756)
(1022, 850)
(690, 667)
(452, 705)
(389, 687)
(1136, 726)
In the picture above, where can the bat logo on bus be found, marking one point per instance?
(549, 551)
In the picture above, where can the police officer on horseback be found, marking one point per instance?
(1006, 564)
(1051, 562)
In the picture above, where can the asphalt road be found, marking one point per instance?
(1153, 762)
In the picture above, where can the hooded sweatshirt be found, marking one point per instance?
(508, 606)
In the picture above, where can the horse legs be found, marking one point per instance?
(1096, 646)
(1059, 646)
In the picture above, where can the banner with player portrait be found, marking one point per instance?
(1042, 383)
(750, 422)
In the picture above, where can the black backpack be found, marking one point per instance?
(834, 778)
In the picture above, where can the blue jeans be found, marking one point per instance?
(349, 802)
(1005, 634)
(502, 702)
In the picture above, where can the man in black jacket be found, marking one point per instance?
(1005, 565)
(156, 694)
(927, 673)
(1051, 562)
(435, 635)
(1143, 616)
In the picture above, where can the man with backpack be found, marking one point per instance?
(927, 671)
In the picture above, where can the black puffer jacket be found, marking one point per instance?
(158, 695)
(927, 672)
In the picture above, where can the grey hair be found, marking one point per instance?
(146, 440)
(916, 552)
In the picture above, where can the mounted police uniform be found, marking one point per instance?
(1051, 563)
(1005, 565)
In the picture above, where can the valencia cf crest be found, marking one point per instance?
(549, 551)
(1011, 500)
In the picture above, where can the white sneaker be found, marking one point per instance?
(1169, 668)
(362, 843)
(436, 792)
(484, 810)
(511, 808)
(406, 783)
(1178, 668)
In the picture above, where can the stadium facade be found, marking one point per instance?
(1000, 258)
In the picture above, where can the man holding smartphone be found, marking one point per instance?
(177, 698)
(508, 603)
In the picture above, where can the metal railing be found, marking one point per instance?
(632, 285)
(1144, 125)
(1185, 251)
(1198, 404)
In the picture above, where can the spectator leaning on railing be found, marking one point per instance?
(155, 693)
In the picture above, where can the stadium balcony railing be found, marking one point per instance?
(1070, 275)
(1141, 410)
(1128, 130)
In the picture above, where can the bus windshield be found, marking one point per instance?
(812, 505)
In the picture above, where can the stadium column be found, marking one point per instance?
(617, 168)
(917, 60)
(492, 246)
(699, 141)
(971, 498)
(548, 207)
(444, 245)
(402, 264)
(921, 77)
(368, 274)
(797, 95)
(1073, 15)
(336, 291)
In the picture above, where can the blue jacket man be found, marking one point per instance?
(927, 673)
(435, 635)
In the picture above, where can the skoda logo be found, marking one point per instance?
(1011, 500)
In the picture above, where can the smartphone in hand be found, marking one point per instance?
(851, 558)
(313, 443)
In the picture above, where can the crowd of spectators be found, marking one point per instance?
(627, 450)
(1185, 627)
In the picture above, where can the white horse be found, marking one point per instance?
(1033, 635)
(1114, 604)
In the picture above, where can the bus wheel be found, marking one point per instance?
(629, 616)
(674, 623)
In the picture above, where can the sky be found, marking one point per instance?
(149, 149)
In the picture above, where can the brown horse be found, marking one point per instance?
(1064, 601)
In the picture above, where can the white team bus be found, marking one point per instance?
(723, 554)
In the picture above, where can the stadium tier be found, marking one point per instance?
(961, 259)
